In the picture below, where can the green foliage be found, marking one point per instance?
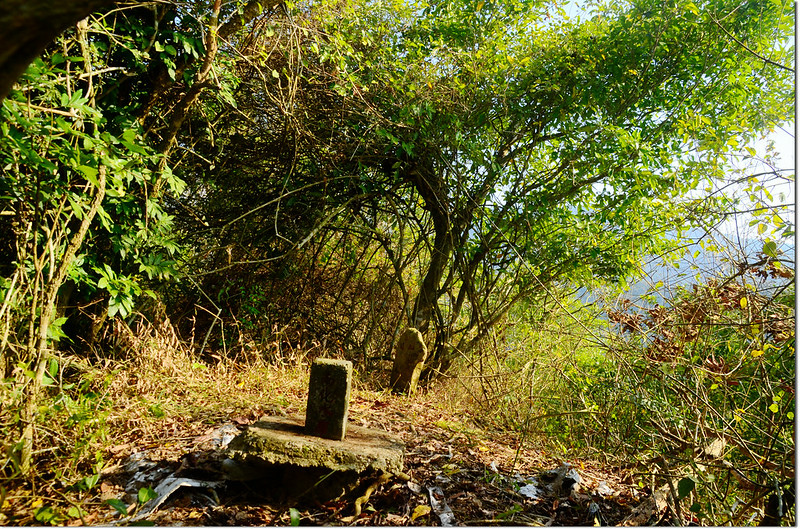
(87, 483)
(520, 148)
(72, 420)
(146, 494)
(539, 372)
(48, 515)
(122, 291)
(327, 173)
(708, 382)
(82, 197)
(120, 506)
(698, 390)
(56, 137)
(509, 514)
(685, 486)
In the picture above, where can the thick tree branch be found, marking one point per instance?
(28, 26)
(215, 32)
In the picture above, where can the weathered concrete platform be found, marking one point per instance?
(290, 463)
(283, 440)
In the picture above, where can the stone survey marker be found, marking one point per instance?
(409, 358)
(322, 458)
(328, 398)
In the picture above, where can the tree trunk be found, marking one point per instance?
(432, 189)
(28, 26)
(430, 290)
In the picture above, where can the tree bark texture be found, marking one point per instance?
(28, 26)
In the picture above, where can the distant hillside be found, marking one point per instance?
(661, 279)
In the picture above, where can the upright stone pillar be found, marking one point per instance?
(328, 398)
(408, 361)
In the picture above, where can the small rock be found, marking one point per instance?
(530, 491)
(562, 481)
(604, 490)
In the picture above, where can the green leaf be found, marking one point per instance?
(91, 481)
(510, 512)
(55, 333)
(130, 141)
(90, 173)
(46, 514)
(118, 505)
(52, 366)
(146, 494)
(294, 516)
(770, 249)
(774, 407)
(685, 486)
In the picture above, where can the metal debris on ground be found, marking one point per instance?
(170, 485)
(219, 437)
(531, 491)
(603, 489)
(440, 507)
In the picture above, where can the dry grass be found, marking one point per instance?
(150, 392)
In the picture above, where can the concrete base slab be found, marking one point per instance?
(281, 444)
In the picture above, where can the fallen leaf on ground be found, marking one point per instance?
(420, 510)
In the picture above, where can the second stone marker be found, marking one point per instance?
(328, 398)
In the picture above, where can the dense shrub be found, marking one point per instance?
(697, 393)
